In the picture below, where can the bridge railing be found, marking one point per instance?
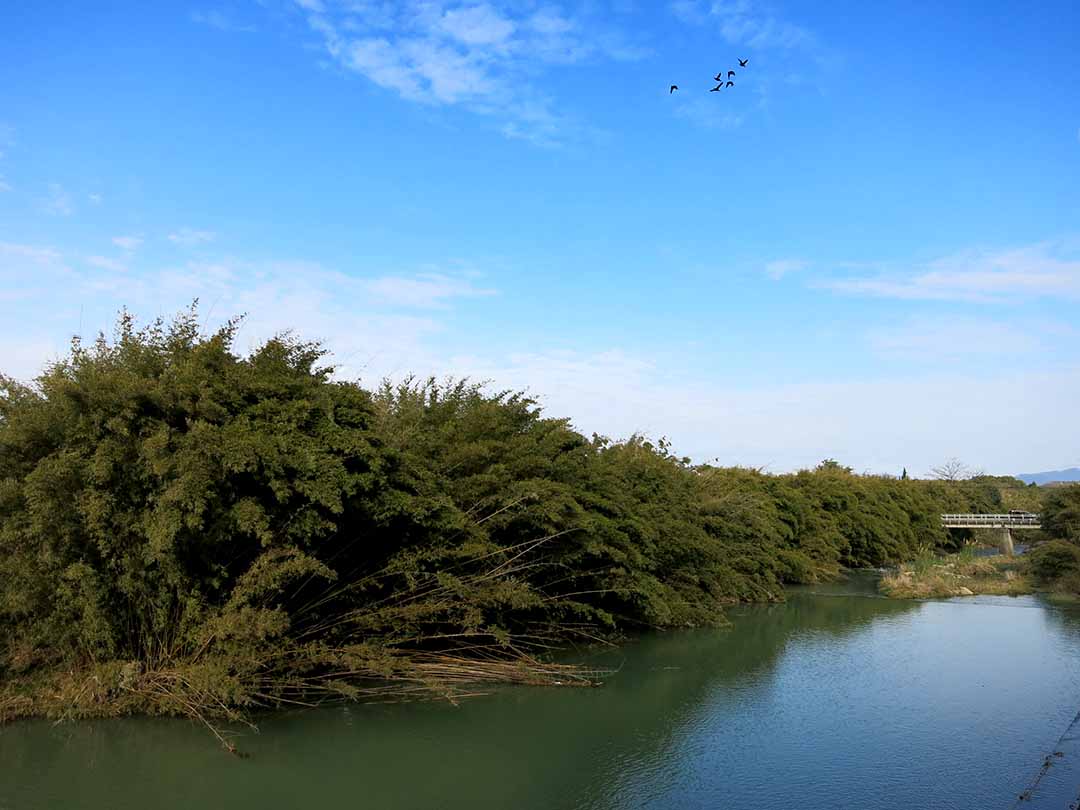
(993, 521)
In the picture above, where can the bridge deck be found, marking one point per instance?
(1029, 521)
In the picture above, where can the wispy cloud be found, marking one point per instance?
(189, 237)
(1038, 271)
(795, 54)
(483, 56)
(221, 20)
(788, 426)
(106, 263)
(429, 290)
(7, 138)
(58, 201)
(28, 271)
(373, 323)
(957, 336)
(95, 198)
(483, 25)
(706, 113)
(779, 268)
(745, 22)
(128, 243)
(35, 254)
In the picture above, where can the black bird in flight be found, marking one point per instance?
(716, 88)
(719, 77)
(730, 73)
(742, 62)
(674, 87)
(730, 84)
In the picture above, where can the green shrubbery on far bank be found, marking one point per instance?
(185, 530)
(1051, 561)
(1061, 513)
(1053, 564)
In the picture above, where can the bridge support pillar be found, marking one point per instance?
(1005, 541)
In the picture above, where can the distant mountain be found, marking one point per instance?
(1071, 474)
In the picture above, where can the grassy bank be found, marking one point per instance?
(960, 574)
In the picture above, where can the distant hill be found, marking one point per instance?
(1071, 474)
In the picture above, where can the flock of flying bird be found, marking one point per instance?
(719, 77)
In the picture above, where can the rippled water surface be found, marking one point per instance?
(837, 699)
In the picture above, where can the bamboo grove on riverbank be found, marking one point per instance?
(187, 531)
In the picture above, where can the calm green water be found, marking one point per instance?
(835, 700)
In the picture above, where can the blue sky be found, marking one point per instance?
(868, 248)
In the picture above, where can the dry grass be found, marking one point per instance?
(13, 706)
(418, 643)
(957, 575)
(117, 689)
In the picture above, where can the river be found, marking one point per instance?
(836, 699)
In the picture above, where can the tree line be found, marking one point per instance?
(203, 529)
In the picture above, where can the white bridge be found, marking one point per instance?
(1010, 520)
(1004, 524)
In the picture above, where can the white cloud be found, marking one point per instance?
(779, 268)
(374, 324)
(7, 137)
(708, 112)
(58, 201)
(425, 291)
(383, 64)
(796, 56)
(745, 22)
(485, 56)
(218, 19)
(128, 243)
(478, 25)
(28, 272)
(422, 70)
(106, 263)
(957, 336)
(533, 120)
(694, 12)
(188, 237)
(1048, 269)
(33, 253)
(550, 21)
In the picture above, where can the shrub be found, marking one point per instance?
(1052, 561)
(1061, 513)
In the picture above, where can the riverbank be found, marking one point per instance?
(961, 574)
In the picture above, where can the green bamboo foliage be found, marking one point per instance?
(250, 529)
